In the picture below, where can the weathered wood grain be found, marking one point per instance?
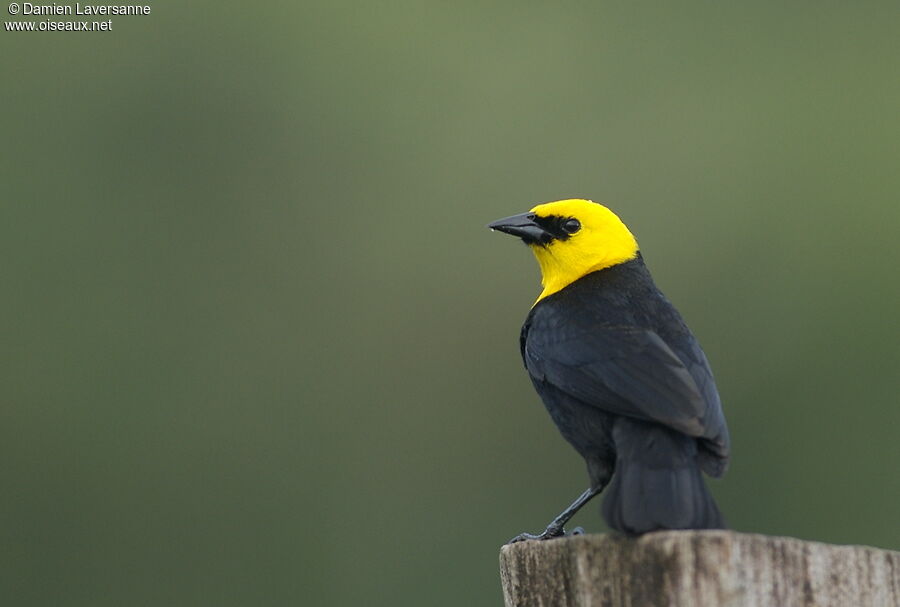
(697, 569)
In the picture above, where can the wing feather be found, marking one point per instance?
(627, 371)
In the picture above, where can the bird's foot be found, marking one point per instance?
(549, 533)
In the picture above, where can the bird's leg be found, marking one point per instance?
(555, 528)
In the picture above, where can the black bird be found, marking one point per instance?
(620, 373)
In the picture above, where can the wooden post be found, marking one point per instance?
(697, 569)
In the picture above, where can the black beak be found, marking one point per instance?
(523, 226)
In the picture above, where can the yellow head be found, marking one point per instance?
(571, 238)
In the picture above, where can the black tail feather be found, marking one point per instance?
(657, 483)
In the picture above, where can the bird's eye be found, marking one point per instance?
(571, 226)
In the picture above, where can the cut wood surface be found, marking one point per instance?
(697, 569)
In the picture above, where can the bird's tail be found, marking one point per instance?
(657, 482)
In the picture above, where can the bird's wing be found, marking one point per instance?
(624, 370)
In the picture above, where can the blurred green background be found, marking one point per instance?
(258, 347)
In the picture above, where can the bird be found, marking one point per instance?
(620, 373)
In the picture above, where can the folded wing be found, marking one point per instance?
(631, 371)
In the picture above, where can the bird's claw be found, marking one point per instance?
(523, 537)
(548, 534)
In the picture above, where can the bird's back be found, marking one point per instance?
(590, 325)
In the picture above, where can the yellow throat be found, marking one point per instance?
(602, 241)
